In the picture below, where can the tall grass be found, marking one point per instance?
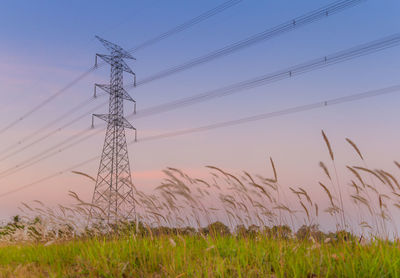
(236, 199)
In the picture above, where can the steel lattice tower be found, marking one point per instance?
(113, 193)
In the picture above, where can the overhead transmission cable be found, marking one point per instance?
(265, 35)
(218, 9)
(186, 25)
(341, 56)
(50, 133)
(263, 116)
(47, 100)
(322, 62)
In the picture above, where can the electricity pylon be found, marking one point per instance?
(113, 198)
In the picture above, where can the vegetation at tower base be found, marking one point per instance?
(227, 225)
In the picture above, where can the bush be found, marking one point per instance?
(216, 228)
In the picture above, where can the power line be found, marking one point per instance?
(341, 56)
(267, 34)
(47, 154)
(42, 129)
(279, 113)
(220, 8)
(47, 135)
(47, 100)
(302, 68)
(186, 25)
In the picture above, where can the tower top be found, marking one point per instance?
(116, 48)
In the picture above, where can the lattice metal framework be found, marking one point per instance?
(113, 197)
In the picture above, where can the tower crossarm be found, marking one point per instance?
(110, 59)
(116, 120)
(107, 89)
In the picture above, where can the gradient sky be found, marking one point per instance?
(45, 44)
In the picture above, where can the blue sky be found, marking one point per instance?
(45, 44)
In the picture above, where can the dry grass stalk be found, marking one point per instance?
(355, 148)
(328, 145)
(84, 174)
(323, 166)
(274, 170)
(358, 176)
(369, 171)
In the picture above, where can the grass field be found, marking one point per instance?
(226, 225)
(197, 256)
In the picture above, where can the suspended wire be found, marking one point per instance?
(42, 129)
(220, 8)
(267, 34)
(47, 100)
(34, 160)
(263, 116)
(322, 62)
(297, 109)
(47, 135)
(186, 25)
(342, 56)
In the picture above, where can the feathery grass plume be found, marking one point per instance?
(397, 164)
(323, 166)
(363, 201)
(183, 175)
(157, 214)
(237, 180)
(176, 181)
(328, 193)
(306, 195)
(387, 174)
(297, 193)
(356, 187)
(355, 148)
(76, 197)
(372, 188)
(306, 210)
(396, 194)
(227, 175)
(39, 202)
(333, 210)
(316, 209)
(369, 171)
(380, 201)
(263, 191)
(28, 207)
(386, 178)
(228, 199)
(84, 174)
(328, 145)
(202, 181)
(365, 224)
(283, 207)
(358, 176)
(269, 183)
(247, 175)
(397, 205)
(274, 170)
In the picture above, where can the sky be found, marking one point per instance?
(46, 44)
